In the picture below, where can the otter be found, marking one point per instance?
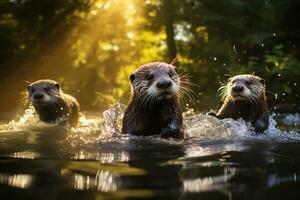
(154, 106)
(51, 103)
(244, 97)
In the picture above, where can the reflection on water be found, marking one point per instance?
(16, 180)
(219, 159)
(104, 157)
(198, 185)
(24, 154)
(274, 180)
(103, 181)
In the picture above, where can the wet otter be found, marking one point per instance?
(51, 103)
(154, 105)
(244, 97)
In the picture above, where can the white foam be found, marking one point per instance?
(291, 119)
(107, 127)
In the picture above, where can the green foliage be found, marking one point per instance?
(92, 46)
(281, 71)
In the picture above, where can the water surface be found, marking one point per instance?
(217, 160)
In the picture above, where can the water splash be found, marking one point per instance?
(112, 120)
(208, 127)
(87, 131)
(291, 119)
(95, 128)
(274, 134)
(28, 118)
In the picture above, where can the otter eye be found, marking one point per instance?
(149, 77)
(176, 70)
(173, 72)
(32, 90)
(248, 82)
(46, 89)
(57, 85)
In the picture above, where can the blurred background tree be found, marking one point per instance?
(91, 46)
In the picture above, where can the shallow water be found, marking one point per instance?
(217, 160)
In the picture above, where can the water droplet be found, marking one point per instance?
(274, 34)
(215, 58)
(224, 64)
(295, 84)
(234, 49)
(276, 96)
(262, 44)
(279, 75)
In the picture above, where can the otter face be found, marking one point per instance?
(43, 92)
(245, 87)
(156, 80)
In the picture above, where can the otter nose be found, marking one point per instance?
(164, 83)
(238, 88)
(38, 96)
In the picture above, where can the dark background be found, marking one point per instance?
(91, 46)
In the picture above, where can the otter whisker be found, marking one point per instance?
(189, 93)
(24, 98)
(256, 91)
(182, 98)
(189, 83)
(183, 95)
(254, 99)
(223, 91)
(251, 99)
(188, 89)
(54, 94)
(268, 91)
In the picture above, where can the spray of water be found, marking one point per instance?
(106, 127)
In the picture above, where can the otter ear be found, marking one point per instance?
(57, 85)
(262, 81)
(132, 77)
(28, 87)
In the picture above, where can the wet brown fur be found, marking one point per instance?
(255, 112)
(144, 117)
(64, 106)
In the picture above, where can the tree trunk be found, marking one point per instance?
(169, 27)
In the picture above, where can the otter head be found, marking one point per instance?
(155, 80)
(43, 92)
(245, 87)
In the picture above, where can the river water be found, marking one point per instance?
(218, 159)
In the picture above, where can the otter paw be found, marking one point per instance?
(174, 133)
